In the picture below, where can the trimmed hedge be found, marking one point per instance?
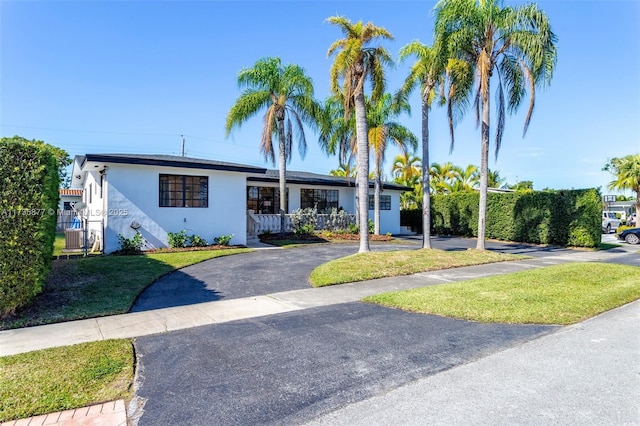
(28, 204)
(565, 218)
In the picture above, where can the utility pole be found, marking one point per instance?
(182, 136)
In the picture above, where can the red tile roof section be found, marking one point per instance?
(77, 192)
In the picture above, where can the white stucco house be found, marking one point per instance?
(156, 194)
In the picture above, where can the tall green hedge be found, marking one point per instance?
(28, 204)
(566, 218)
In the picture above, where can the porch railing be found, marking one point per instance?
(259, 223)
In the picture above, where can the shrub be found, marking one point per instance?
(197, 241)
(131, 245)
(338, 220)
(371, 226)
(223, 240)
(304, 221)
(566, 218)
(29, 183)
(177, 239)
(352, 228)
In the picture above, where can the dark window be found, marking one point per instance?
(90, 193)
(184, 191)
(67, 205)
(385, 202)
(322, 200)
(264, 199)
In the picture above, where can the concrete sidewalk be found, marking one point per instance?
(177, 318)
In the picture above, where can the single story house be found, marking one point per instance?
(155, 194)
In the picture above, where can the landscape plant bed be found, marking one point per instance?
(184, 249)
(320, 237)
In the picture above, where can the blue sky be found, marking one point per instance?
(132, 77)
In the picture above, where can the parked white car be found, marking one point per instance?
(610, 222)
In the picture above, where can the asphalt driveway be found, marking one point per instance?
(271, 271)
(291, 368)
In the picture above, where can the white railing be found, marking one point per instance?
(252, 224)
(259, 223)
(271, 222)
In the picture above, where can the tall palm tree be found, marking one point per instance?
(429, 71)
(356, 61)
(627, 173)
(513, 44)
(285, 93)
(383, 129)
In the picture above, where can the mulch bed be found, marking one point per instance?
(177, 250)
(321, 237)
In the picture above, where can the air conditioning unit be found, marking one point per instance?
(73, 239)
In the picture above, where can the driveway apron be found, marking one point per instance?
(293, 367)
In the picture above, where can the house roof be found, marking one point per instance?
(71, 192)
(317, 179)
(258, 174)
(170, 161)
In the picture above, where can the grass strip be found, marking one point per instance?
(64, 378)
(104, 285)
(367, 266)
(560, 294)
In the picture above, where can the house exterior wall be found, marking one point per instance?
(133, 195)
(389, 219)
(93, 195)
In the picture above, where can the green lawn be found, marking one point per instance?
(58, 244)
(561, 294)
(102, 285)
(367, 266)
(63, 378)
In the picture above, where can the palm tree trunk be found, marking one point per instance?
(282, 171)
(362, 159)
(484, 169)
(426, 189)
(376, 201)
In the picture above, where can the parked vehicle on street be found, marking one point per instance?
(610, 222)
(632, 236)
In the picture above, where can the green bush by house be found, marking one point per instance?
(566, 218)
(29, 183)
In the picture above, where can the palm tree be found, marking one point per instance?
(406, 169)
(627, 173)
(286, 94)
(494, 180)
(345, 170)
(514, 43)
(466, 180)
(442, 177)
(429, 72)
(356, 61)
(382, 130)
